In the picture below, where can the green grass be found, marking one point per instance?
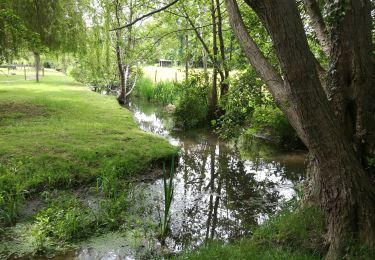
(294, 233)
(58, 134)
(243, 250)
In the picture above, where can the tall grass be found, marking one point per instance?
(144, 89)
(168, 197)
(163, 92)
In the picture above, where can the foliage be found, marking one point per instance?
(191, 105)
(13, 33)
(246, 94)
(271, 124)
(250, 107)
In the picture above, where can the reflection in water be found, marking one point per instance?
(220, 193)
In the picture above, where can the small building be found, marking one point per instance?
(165, 63)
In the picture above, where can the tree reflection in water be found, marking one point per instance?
(220, 192)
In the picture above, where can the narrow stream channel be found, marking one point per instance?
(221, 191)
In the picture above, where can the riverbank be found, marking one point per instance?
(58, 135)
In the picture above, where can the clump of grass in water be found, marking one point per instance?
(168, 197)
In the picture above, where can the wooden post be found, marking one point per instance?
(24, 70)
(156, 73)
(175, 76)
(43, 71)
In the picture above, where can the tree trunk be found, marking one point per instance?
(224, 87)
(37, 65)
(186, 54)
(122, 96)
(213, 98)
(338, 181)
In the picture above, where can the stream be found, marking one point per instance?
(222, 190)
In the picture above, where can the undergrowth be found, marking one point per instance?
(296, 232)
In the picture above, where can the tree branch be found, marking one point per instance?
(146, 15)
(204, 44)
(256, 58)
(317, 22)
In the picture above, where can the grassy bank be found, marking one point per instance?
(297, 232)
(58, 134)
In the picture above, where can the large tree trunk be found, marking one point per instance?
(339, 183)
(37, 65)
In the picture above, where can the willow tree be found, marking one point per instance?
(332, 111)
(12, 34)
(55, 25)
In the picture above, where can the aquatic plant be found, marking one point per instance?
(168, 197)
(144, 89)
(165, 92)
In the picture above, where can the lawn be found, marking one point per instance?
(58, 134)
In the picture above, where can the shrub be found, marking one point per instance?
(249, 105)
(191, 106)
(271, 123)
(246, 94)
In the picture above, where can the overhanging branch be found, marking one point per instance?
(146, 15)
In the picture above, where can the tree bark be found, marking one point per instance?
(224, 87)
(339, 182)
(213, 101)
(122, 96)
(37, 65)
(317, 22)
(186, 54)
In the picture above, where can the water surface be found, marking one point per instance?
(222, 190)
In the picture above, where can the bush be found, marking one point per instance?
(249, 105)
(270, 123)
(191, 106)
(48, 64)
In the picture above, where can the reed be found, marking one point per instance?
(168, 197)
